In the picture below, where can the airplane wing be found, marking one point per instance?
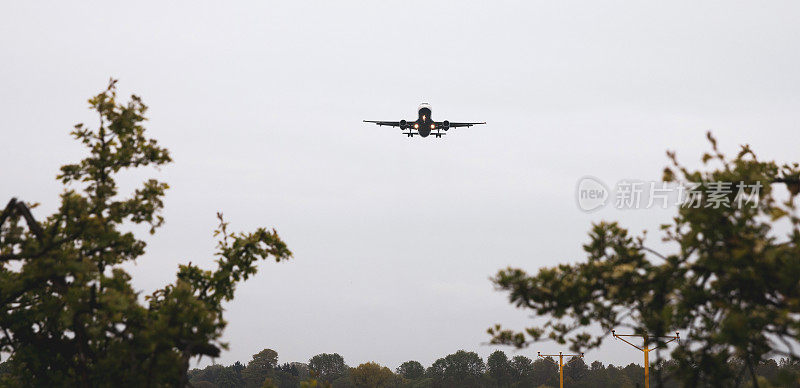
(382, 123)
(456, 125)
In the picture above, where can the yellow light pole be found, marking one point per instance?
(645, 349)
(560, 362)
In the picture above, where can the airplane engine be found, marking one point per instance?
(403, 124)
(445, 125)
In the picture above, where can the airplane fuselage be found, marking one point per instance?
(424, 124)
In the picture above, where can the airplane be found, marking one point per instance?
(424, 124)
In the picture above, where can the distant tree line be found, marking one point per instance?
(460, 369)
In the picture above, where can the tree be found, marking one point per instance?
(461, 369)
(289, 368)
(229, 378)
(411, 370)
(423, 382)
(732, 280)
(768, 369)
(597, 376)
(260, 367)
(522, 371)
(545, 372)
(70, 316)
(788, 373)
(328, 367)
(618, 377)
(576, 369)
(344, 381)
(634, 372)
(237, 367)
(303, 373)
(373, 375)
(210, 374)
(286, 378)
(499, 368)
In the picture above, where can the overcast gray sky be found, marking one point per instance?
(394, 239)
